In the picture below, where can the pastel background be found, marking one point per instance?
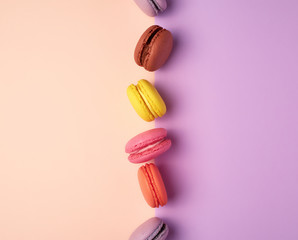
(65, 118)
(231, 87)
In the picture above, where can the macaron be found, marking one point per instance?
(153, 229)
(152, 7)
(146, 100)
(152, 185)
(153, 48)
(147, 145)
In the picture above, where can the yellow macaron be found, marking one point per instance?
(146, 100)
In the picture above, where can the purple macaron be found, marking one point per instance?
(152, 7)
(153, 228)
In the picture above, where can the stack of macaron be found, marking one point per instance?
(151, 52)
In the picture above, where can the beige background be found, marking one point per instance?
(65, 118)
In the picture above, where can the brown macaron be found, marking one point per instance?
(153, 48)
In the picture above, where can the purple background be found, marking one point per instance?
(231, 87)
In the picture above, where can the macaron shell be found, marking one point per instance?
(146, 7)
(145, 230)
(138, 103)
(150, 153)
(159, 186)
(145, 138)
(162, 4)
(152, 96)
(152, 185)
(142, 42)
(159, 51)
(163, 235)
(147, 187)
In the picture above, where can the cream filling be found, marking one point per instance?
(160, 233)
(148, 147)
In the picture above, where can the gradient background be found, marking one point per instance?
(231, 87)
(232, 172)
(65, 118)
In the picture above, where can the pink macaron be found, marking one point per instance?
(147, 145)
(152, 7)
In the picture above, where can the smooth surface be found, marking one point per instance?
(232, 116)
(65, 118)
(162, 4)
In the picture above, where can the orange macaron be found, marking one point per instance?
(152, 185)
